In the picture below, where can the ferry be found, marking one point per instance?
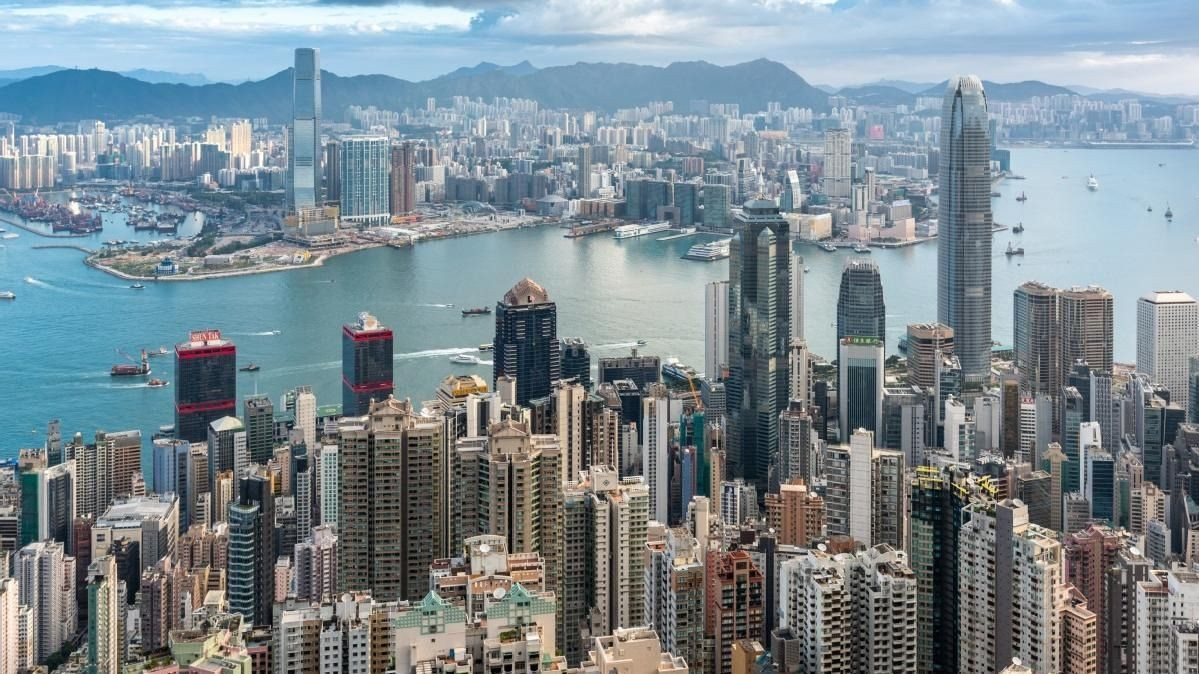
(641, 342)
(137, 286)
(7, 295)
(160, 351)
(1169, 213)
(465, 359)
(828, 247)
(632, 231)
(674, 372)
(1019, 228)
(1092, 183)
(251, 367)
(861, 248)
(486, 347)
(157, 383)
(1013, 251)
(707, 252)
(476, 311)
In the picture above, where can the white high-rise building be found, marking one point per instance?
(851, 612)
(655, 450)
(1011, 590)
(327, 484)
(674, 592)
(1028, 430)
(46, 576)
(10, 608)
(848, 499)
(797, 272)
(837, 177)
(716, 329)
(1165, 602)
(306, 415)
(1167, 336)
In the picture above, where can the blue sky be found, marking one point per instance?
(1137, 44)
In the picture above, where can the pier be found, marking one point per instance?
(586, 230)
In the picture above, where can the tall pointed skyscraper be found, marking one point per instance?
(964, 247)
(759, 334)
(526, 340)
(304, 141)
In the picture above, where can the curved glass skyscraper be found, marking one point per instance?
(861, 311)
(964, 249)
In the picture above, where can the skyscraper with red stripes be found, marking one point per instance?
(205, 383)
(366, 367)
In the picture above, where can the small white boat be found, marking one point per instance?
(465, 359)
(860, 248)
(486, 347)
(1092, 183)
(7, 295)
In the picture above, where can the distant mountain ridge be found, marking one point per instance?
(67, 95)
(143, 74)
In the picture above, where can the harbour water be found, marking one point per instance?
(61, 334)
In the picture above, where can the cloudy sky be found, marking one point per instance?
(1148, 45)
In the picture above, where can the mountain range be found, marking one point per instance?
(51, 94)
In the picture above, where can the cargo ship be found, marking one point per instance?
(132, 369)
(476, 311)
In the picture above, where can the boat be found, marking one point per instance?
(137, 286)
(996, 194)
(807, 270)
(1022, 196)
(861, 248)
(160, 351)
(486, 347)
(828, 247)
(632, 231)
(1019, 228)
(1149, 209)
(1169, 213)
(131, 369)
(1013, 251)
(250, 367)
(8, 235)
(1092, 183)
(157, 383)
(465, 359)
(641, 342)
(708, 252)
(476, 311)
(7, 295)
(675, 373)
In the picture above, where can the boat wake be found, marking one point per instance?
(616, 345)
(32, 281)
(436, 306)
(264, 333)
(433, 353)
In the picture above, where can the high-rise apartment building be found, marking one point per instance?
(526, 340)
(1167, 336)
(10, 619)
(304, 141)
(402, 197)
(801, 519)
(366, 364)
(389, 519)
(1089, 554)
(655, 449)
(837, 177)
(735, 603)
(205, 383)
(851, 612)
(365, 190)
(759, 334)
(861, 311)
(583, 166)
(860, 384)
(46, 577)
(105, 615)
(964, 252)
(716, 329)
(1011, 590)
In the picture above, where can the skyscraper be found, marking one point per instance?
(205, 383)
(861, 311)
(927, 343)
(1035, 328)
(390, 513)
(964, 251)
(526, 340)
(584, 168)
(364, 180)
(105, 642)
(836, 180)
(576, 361)
(403, 179)
(258, 413)
(759, 333)
(252, 549)
(1167, 335)
(1085, 328)
(304, 151)
(860, 385)
(366, 364)
(46, 577)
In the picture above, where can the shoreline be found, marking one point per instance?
(4, 217)
(317, 261)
